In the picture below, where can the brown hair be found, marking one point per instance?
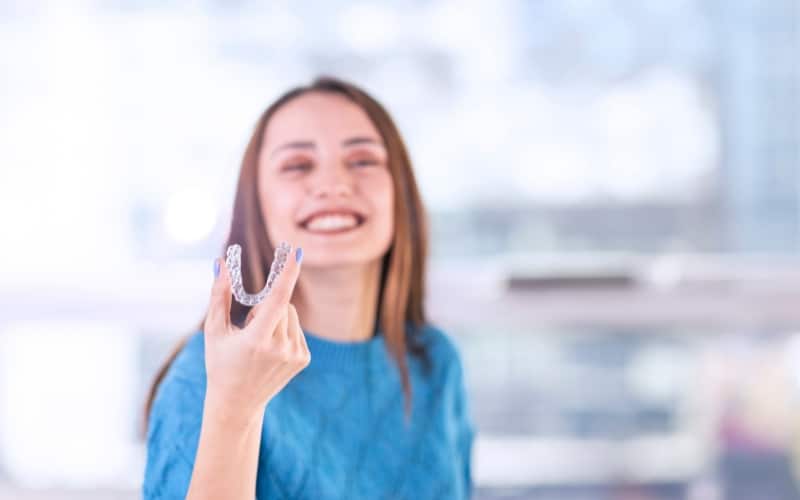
(401, 312)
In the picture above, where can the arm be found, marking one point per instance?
(172, 433)
(466, 430)
(245, 369)
(227, 454)
(205, 425)
(195, 446)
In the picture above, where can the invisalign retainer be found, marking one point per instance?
(233, 262)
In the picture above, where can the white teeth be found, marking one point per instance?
(331, 222)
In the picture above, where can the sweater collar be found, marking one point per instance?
(327, 353)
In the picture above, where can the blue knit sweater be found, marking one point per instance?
(336, 431)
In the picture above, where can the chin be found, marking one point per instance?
(327, 259)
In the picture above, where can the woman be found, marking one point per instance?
(367, 400)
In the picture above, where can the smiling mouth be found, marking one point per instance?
(331, 224)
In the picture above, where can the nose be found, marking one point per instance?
(332, 183)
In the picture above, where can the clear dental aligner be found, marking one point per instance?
(233, 262)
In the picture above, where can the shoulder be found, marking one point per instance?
(439, 343)
(190, 363)
(449, 370)
(441, 348)
(173, 428)
(184, 382)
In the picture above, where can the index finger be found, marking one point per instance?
(265, 316)
(219, 307)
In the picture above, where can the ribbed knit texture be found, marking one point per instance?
(336, 431)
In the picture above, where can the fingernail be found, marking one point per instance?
(299, 254)
(216, 268)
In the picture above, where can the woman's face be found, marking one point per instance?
(324, 181)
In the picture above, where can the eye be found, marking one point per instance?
(364, 162)
(299, 166)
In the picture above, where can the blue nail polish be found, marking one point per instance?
(216, 268)
(299, 254)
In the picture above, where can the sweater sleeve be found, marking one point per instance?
(466, 430)
(173, 434)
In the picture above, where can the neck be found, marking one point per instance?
(339, 303)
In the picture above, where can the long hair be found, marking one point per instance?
(401, 313)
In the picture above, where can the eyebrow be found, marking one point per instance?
(360, 140)
(354, 141)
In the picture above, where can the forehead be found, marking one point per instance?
(319, 117)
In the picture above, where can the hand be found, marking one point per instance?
(246, 367)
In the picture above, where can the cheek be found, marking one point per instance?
(382, 200)
(277, 206)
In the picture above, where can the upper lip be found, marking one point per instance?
(333, 211)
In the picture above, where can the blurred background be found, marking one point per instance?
(614, 187)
